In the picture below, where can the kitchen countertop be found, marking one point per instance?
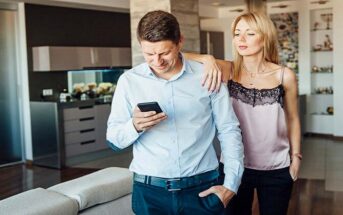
(79, 103)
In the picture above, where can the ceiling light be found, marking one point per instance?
(216, 3)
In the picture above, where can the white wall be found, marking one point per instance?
(208, 11)
(304, 48)
(338, 66)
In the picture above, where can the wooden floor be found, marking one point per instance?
(19, 178)
(309, 196)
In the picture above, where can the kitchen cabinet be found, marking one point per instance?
(62, 131)
(59, 58)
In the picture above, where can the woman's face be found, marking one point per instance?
(247, 41)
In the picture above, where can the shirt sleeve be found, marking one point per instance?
(229, 135)
(120, 129)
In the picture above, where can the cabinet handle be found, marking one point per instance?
(87, 142)
(87, 130)
(86, 119)
(86, 107)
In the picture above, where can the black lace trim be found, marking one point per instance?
(254, 96)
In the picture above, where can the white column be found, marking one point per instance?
(338, 67)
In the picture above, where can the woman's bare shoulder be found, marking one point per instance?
(289, 78)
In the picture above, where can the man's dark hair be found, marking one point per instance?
(157, 26)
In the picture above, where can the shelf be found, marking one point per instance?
(329, 50)
(321, 114)
(322, 29)
(321, 79)
(322, 73)
(322, 94)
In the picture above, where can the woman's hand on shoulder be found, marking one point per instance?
(215, 72)
(212, 74)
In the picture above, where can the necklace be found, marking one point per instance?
(252, 75)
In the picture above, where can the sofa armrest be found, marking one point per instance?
(38, 202)
(102, 186)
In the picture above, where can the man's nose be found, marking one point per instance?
(158, 60)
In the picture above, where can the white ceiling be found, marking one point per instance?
(221, 3)
(225, 3)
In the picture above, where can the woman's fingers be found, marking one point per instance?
(212, 75)
(204, 78)
(209, 80)
(214, 81)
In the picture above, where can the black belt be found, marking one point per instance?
(173, 184)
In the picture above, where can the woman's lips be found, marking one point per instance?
(242, 47)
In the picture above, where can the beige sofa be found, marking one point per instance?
(106, 191)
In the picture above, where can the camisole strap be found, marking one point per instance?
(282, 74)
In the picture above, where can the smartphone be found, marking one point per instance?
(150, 106)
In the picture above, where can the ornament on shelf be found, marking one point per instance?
(328, 43)
(327, 17)
(316, 26)
(329, 110)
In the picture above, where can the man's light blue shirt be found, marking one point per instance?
(181, 145)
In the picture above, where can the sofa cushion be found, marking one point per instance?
(38, 202)
(121, 206)
(99, 187)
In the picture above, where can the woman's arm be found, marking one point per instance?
(215, 70)
(293, 121)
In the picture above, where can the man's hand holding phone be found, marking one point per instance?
(147, 115)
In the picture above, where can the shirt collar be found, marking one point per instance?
(185, 68)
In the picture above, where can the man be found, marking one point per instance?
(174, 164)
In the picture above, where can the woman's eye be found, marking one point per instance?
(236, 35)
(251, 34)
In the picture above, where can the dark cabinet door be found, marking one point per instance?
(212, 42)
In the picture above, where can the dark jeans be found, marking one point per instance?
(274, 188)
(152, 200)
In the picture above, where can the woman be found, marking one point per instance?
(264, 97)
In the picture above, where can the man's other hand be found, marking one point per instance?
(224, 194)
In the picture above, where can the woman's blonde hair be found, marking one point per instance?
(264, 26)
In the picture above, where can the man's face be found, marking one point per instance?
(162, 56)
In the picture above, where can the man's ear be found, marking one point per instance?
(182, 40)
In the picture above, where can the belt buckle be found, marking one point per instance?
(168, 184)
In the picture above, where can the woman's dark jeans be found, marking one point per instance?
(274, 188)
